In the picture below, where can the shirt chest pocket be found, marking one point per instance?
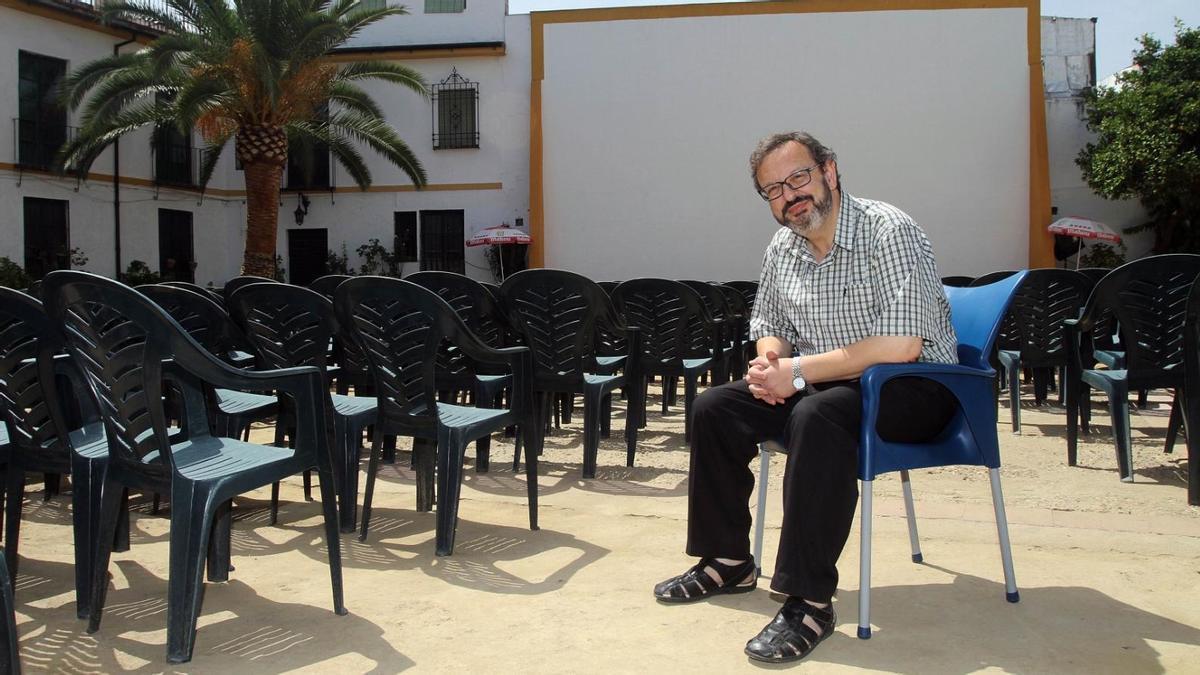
(857, 303)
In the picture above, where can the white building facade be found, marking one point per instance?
(473, 55)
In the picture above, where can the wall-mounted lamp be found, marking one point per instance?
(301, 209)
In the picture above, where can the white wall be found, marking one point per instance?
(647, 126)
(483, 21)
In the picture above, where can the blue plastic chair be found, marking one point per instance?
(969, 439)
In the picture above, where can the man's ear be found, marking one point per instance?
(831, 174)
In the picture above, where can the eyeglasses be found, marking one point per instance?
(797, 180)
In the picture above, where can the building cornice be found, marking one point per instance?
(412, 52)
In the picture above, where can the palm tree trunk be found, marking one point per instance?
(262, 217)
(262, 148)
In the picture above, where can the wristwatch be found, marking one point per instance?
(798, 380)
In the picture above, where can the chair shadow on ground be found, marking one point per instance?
(239, 630)
(1053, 629)
(612, 476)
(486, 556)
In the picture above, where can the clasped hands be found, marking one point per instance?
(769, 380)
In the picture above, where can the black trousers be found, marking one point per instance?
(820, 486)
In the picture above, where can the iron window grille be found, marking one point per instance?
(41, 125)
(455, 113)
(310, 162)
(445, 6)
(175, 160)
(442, 246)
(47, 236)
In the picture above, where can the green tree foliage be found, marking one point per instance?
(1148, 139)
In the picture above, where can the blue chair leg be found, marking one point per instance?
(1010, 577)
(450, 451)
(591, 429)
(689, 395)
(1118, 408)
(219, 546)
(192, 515)
(14, 500)
(864, 564)
(333, 541)
(87, 477)
(911, 514)
(1014, 395)
(372, 471)
(110, 506)
(764, 467)
(631, 431)
(1174, 423)
(531, 487)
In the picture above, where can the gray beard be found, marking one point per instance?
(815, 215)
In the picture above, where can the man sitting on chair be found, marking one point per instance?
(846, 283)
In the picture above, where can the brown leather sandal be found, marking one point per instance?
(696, 584)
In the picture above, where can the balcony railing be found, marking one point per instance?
(36, 142)
(176, 164)
(94, 7)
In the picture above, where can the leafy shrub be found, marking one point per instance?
(139, 273)
(13, 275)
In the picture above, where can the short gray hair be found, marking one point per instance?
(820, 153)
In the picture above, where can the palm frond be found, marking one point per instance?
(121, 88)
(208, 161)
(164, 53)
(386, 71)
(308, 134)
(198, 96)
(75, 86)
(352, 97)
(82, 151)
(359, 18)
(381, 138)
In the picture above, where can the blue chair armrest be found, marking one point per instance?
(973, 388)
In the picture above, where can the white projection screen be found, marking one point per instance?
(647, 124)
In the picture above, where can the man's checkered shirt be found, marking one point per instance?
(878, 279)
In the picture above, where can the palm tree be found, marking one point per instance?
(255, 71)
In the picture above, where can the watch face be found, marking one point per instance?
(799, 383)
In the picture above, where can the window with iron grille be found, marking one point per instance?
(308, 161)
(445, 6)
(41, 125)
(442, 246)
(405, 244)
(372, 5)
(455, 113)
(172, 153)
(47, 236)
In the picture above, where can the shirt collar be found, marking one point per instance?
(847, 225)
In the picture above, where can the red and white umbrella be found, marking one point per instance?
(499, 234)
(1084, 229)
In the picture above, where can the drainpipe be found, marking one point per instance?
(116, 183)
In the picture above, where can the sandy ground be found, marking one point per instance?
(1109, 573)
